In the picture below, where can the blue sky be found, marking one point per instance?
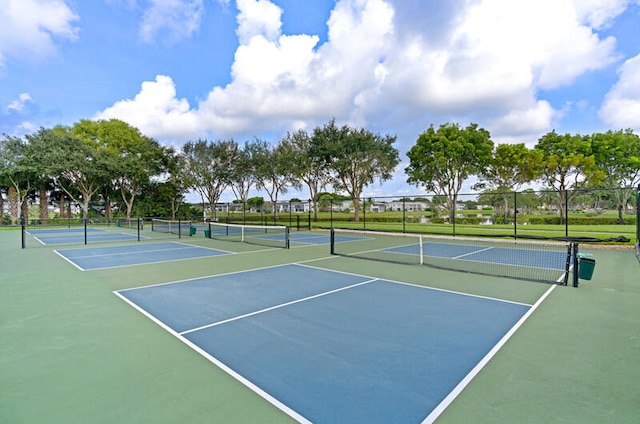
(183, 69)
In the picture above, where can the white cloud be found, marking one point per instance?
(29, 28)
(526, 122)
(19, 104)
(482, 60)
(621, 107)
(599, 14)
(179, 18)
(258, 18)
(155, 110)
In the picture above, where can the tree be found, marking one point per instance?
(442, 160)
(617, 154)
(20, 170)
(244, 169)
(567, 164)
(275, 172)
(80, 167)
(355, 157)
(209, 168)
(136, 158)
(307, 167)
(510, 167)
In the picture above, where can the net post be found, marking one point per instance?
(85, 230)
(139, 224)
(638, 224)
(23, 228)
(567, 267)
(576, 265)
(421, 250)
(241, 233)
(332, 242)
(179, 229)
(286, 237)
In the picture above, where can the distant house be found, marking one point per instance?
(378, 207)
(399, 206)
(294, 207)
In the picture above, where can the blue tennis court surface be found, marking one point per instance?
(327, 346)
(138, 254)
(320, 238)
(488, 254)
(77, 236)
(53, 231)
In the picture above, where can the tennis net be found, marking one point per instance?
(181, 228)
(129, 223)
(265, 235)
(548, 262)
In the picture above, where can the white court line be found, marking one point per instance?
(302, 263)
(472, 253)
(208, 276)
(69, 260)
(271, 308)
(275, 402)
(484, 361)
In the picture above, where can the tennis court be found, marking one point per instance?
(77, 236)
(334, 347)
(299, 335)
(134, 254)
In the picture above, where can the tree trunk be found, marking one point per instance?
(44, 205)
(356, 209)
(14, 206)
(620, 217)
(61, 205)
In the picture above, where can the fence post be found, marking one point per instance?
(566, 213)
(404, 214)
(638, 219)
(331, 212)
(515, 214)
(364, 213)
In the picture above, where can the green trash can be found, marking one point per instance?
(192, 231)
(207, 233)
(586, 266)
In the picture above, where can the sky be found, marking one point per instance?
(180, 70)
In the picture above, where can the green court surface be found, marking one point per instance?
(73, 352)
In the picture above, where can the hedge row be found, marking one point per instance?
(581, 220)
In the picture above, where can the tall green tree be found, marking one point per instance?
(79, 166)
(308, 167)
(275, 172)
(510, 167)
(355, 157)
(244, 172)
(442, 159)
(209, 168)
(136, 158)
(617, 154)
(20, 170)
(567, 165)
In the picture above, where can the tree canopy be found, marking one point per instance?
(114, 163)
(442, 159)
(354, 157)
